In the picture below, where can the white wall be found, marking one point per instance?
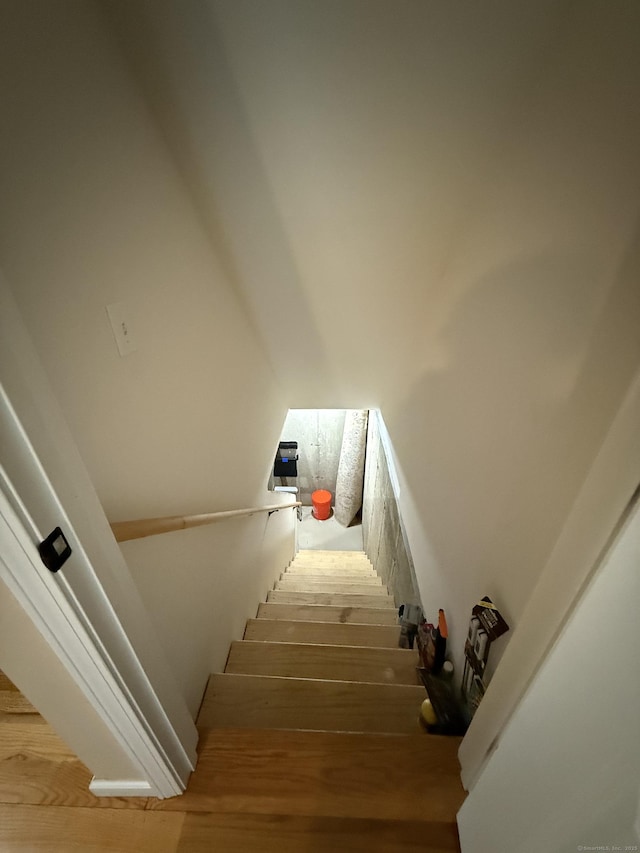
(566, 770)
(33, 433)
(202, 585)
(93, 211)
(586, 535)
(433, 209)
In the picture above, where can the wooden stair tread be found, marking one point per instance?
(328, 613)
(233, 701)
(35, 780)
(335, 663)
(282, 596)
(324, 774)
(285, 833)
(332, 586)
(331, 633)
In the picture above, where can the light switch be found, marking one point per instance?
(121, 328)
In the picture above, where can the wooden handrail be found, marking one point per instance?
(142, 527)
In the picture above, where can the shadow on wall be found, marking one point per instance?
(180, 59)
(496, 445)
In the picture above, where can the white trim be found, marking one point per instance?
(55, 618)
(48, 484)
(120, 788)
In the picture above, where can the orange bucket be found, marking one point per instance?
(321, 501)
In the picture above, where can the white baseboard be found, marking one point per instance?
(121, 788)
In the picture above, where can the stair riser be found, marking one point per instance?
(340, 587)
(331, 555)
(280, 596)
(329, 571)
(311, 559)
(265, 702)
(340, 565)
(369, 580)
(324, 613)
(377, 636)
(334, 663)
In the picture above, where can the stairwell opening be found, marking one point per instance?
(329, 447)
(376, 526)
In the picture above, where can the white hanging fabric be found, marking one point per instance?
(350, 480)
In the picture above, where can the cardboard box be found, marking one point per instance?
(485, 626)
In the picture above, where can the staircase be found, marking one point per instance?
(310, 738)
(309, 743)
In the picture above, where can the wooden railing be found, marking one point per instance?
(138, 529)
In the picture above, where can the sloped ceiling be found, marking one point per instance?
(341, 154)
(432, 208)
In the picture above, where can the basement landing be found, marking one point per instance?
(328, 535)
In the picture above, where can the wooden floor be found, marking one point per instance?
(309, 743)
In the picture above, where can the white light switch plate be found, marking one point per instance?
(121, 328)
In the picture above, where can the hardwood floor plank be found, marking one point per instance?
(330, 633)
(11, 699)
(31, 735)
(34, 780)
(235, 701)
(335, 663)
(328, 613)
(13, 702)
(324, 774)
(248, 833)
(69, 830)
(6, 683)
(281, 596)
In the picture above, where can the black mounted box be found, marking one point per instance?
(286, 462)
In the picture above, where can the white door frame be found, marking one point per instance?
(90, 613)
(46, 603)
